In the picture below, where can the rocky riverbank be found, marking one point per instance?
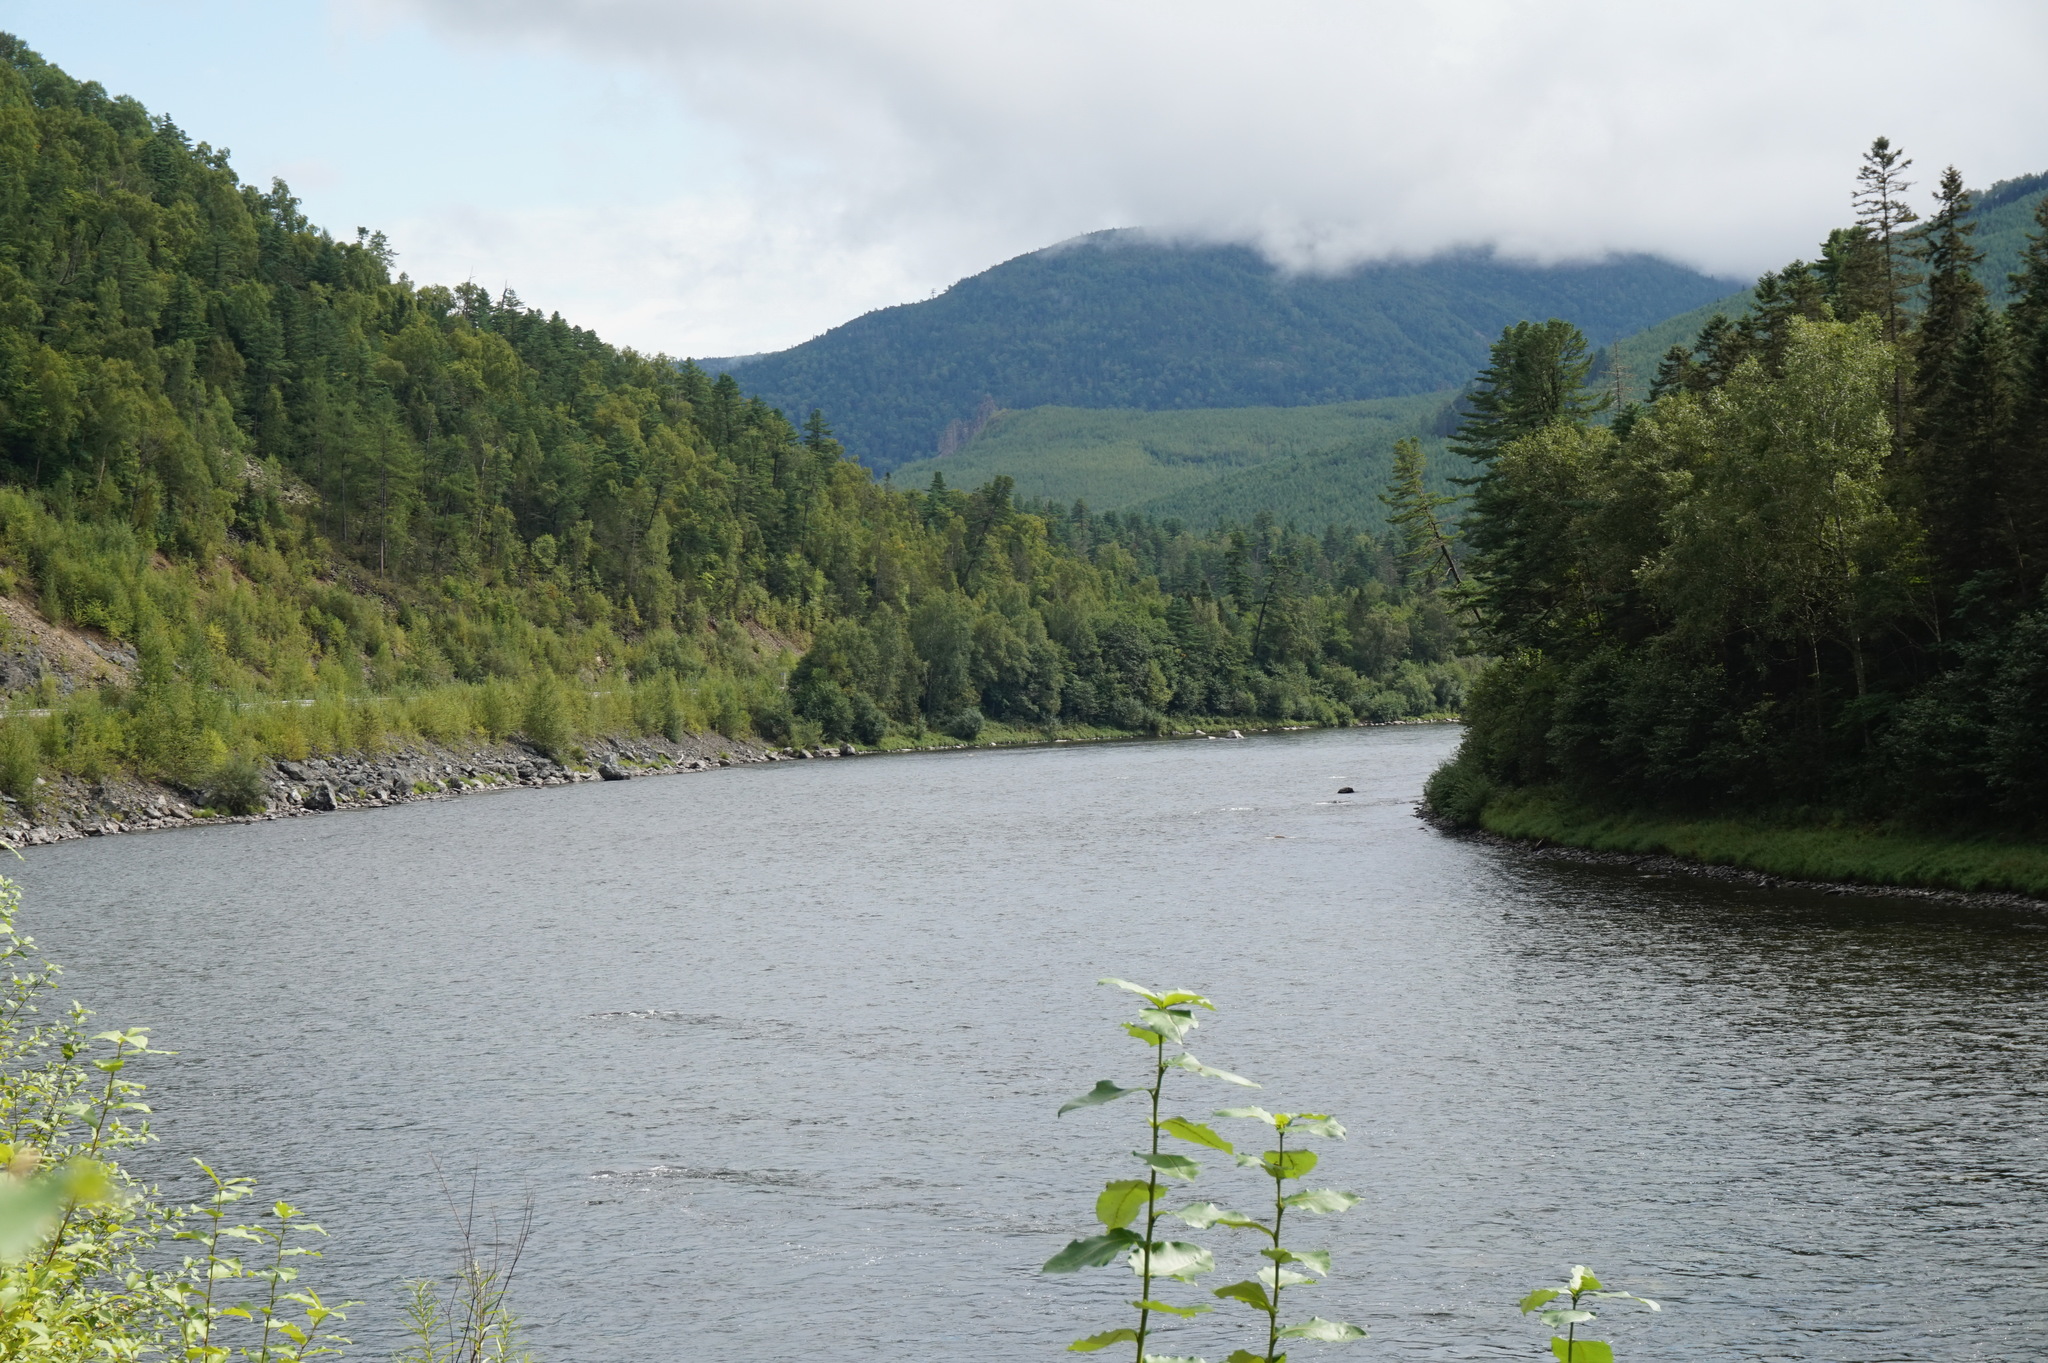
(74, 807)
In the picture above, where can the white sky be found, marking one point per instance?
(716, 177)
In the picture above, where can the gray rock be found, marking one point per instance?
(320, 797)
(612, 773)
(846, 749)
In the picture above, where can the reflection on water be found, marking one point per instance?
(776, 1051)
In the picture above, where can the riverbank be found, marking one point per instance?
(70, 806)
(1846, 855)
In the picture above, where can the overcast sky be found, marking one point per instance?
(716, 177)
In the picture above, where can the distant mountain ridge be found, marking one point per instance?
(1122, 320)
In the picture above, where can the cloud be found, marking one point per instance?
(893, 144)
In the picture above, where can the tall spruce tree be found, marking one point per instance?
(1852, 274)
(2027, 319)
(1424, 546)
(1882, 211)
(1534, 378)
(1959, 405)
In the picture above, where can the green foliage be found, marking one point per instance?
(1264, 1291)
(1805, 583)
(20, 762)
(1816, 850)
(545, 722)
(1162, 1027)
(1534, 379)
(1120, 459)
(1582, 1287)
(237, 786)
(330, 510)
(1117, 320)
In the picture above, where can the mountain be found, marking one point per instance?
(261, 499)
(1123, 320)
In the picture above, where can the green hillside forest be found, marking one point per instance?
(1120, 319)
(1210, 467)
(2000, 218)
(244, 457)
(1803, 584)
(1118, 458)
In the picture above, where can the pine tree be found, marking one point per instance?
(1675, 373)
(1424, 549)
(1852, 274)
(1795, 291)
(2027, 436)
(1535, 378)
(1954, 296)
(1881, 211)
(817, 432)
(1960, 404)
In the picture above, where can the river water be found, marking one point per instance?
(775, 1052)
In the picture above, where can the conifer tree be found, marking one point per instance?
(1882, 211)
(1960, 404)
(1955, 298)
(1424, 549)
(1675, 373)
(2027, 319)
(1852, 274)
(1535, 378)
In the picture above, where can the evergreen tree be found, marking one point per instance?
(1960, 402)
(1675, 373)
(1882, 211)
(1535, 378)
(1852, 274)
(1423, 549)
(2028, 436)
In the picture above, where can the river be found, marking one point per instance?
(775, 1051)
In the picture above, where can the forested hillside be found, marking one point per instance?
(1118, 458)
(1805, 581)
(1118, 319)
(243, 458)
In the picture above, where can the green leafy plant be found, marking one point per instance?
(468, 1320)
(237, 786)
(1580, 1288)
(1162, 1026)
(1263, 1292)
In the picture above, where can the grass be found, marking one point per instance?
(1862, 855)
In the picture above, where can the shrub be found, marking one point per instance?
(964, 725)
(237, 786)
(1458, 791)
(869, 725)
(546, 722)
(20, 762)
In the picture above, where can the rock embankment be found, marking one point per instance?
(74, 807)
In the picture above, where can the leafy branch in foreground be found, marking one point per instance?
(1163, 1023)
(1262, 1293)
(1582, 1285)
